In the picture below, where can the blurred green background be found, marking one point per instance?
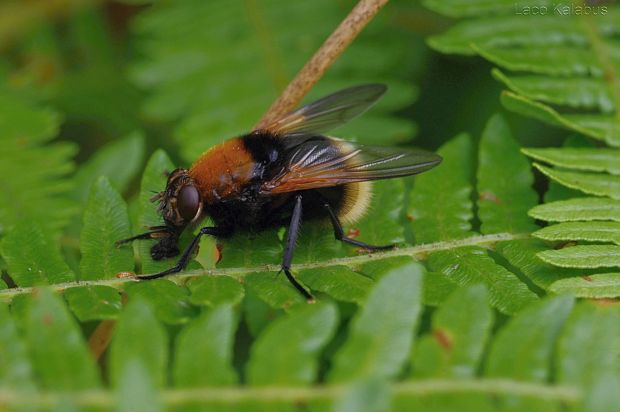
(188, 76)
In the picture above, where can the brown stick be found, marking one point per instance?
(100, 338)
(324, 57)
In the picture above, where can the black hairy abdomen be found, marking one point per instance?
(259, 214)
(253, 211)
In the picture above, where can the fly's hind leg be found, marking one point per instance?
(289, 248)
(339, 233)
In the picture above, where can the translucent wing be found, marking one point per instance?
(329, 112)
(324, 162)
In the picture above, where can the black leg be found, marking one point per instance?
(155, 233)
(339, 233)
(186, 256)
(289, 248)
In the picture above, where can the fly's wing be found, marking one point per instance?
(324, 162)
(329, 112)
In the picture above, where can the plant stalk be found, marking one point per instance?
(324, 57)
(419, 252)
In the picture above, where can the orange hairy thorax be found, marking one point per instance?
(221, 171)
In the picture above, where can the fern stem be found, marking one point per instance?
(416, 252)
(180, 397)
(324, 57)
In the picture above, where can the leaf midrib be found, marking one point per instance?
(419, 252)
(232, 395)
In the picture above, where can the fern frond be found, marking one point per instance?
(571, 59)
(188, 49)
(565, 73)
(35, 171)
(517, 370)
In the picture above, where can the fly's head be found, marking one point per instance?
(180, 205)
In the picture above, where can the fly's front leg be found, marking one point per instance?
(289, 248)
(339, 233)
(165, 248)
(187, 254)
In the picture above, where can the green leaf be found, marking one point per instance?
(94, 302)
(15, 366)
(382, 224)
(603, 394)
(459, 332)
(471, 265)
(316, 242)
(437, 288)
(139, 337)
(590, 159)
(153, 181)
(213, 291)
(171, 302)
(105, 221)
(22, 121)
(35, 180)
(365, 396)
(120, 161)
(590, 231)
(585, 208)
(274, 289)
(600, 286)
(558, 192)
(561, 60)
(203, 354)
(381, 334)
(583, 256)
(522, 255)
(240, 250)
(58, 352)
(136, 391)
(592, 183)
(20, 309)
(598, 127)
(504, 181)
(376, 269)
(298, 337)
(257, 313)
(523, 348)
(32, 257)
(449, 187)
(467, 400)
(588, 347)
(511, 30)
(339, 282)
(577, 92)
(208, 253)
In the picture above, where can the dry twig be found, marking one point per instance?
(324, 57)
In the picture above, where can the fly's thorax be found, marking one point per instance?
(225, 171)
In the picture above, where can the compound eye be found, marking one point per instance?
(188, 202)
